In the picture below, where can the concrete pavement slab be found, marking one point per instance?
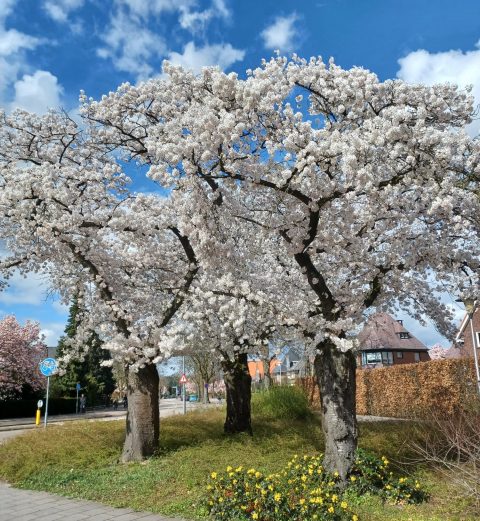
(28, 505)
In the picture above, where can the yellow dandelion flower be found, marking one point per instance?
(213, 475)
(331, 510)
(344, 504)
(254, 515)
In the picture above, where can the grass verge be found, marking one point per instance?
(81, 460)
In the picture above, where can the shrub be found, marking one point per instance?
(451, 443)
(371, 474)
(304, 490)
(281, 402)
(28, 408)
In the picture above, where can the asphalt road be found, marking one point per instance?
(15, 426)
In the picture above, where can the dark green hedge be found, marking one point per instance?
(28, 408)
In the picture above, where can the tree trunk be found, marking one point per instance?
(267, 376)
(335, 373)
(143, 417)
(238, 383)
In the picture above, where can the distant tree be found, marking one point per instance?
(205, 367)
(21, 350)
(437, 352)
(83, 367)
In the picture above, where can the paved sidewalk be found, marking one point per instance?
(27, 505)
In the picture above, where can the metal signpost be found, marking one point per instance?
(77, 387)
(47, 368)
(183, 381)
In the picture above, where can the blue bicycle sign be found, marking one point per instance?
(48, 366)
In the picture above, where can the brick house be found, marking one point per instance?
(385, 341)
(463, 346)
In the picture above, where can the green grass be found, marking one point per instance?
(281, 402)
(81, 460)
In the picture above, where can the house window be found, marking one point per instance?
(381, 357)
(404, 335)
(371, 358)
(387, 357)
(477, 333)
(417, 357)
(399, 354)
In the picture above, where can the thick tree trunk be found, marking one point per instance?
(238, 383)
(335, 373)
(143, 417)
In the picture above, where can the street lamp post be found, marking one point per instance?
(471, 306)
(183, 390)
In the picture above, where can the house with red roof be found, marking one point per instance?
(385, 341)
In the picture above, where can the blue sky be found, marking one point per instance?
(50, 49)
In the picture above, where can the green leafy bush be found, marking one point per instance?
(281, 402)
(372, 474)
(304, 490)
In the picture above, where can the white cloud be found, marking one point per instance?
(37, 92)
(131, 46)
(196, 21)
(281, 34)
(12, 41)
(60, 308)
(6, 7)
(454, 66)
(147, 8)
(52, 331)
(13, 48)
(134, 47)
(194, 58)
(24, 290)
(59, 10)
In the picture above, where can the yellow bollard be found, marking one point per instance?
(37, 417)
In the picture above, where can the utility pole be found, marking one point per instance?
(183, 389)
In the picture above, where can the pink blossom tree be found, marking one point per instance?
(437, 352)
(21, 350)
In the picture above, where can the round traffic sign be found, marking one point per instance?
(40, 404)
(48, 366)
